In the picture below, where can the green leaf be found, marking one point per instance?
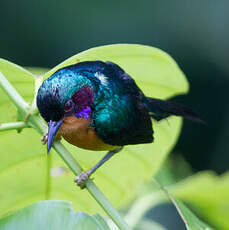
(191, 221)
(209, 194)
(153, 69)
(27, 174)
(52, 215)
(206, 192)
(157, 196)
(103, 224)
(155, 193)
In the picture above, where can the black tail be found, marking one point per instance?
(160, 109)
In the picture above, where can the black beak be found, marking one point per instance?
(53, 128)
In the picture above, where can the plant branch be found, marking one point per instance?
(13, 125)
(35, 121)
(15, 97)
(91, 187)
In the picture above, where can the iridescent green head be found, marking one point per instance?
(65, 93)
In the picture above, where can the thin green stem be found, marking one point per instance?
(91, 187)
(106, 205)
(67, 158)
(35, 121)
(15, 97)
(13, 125)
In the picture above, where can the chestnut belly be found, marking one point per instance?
(77, 132)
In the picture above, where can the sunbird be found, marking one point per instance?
(96, 105)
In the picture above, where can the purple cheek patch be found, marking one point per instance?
(84, 113)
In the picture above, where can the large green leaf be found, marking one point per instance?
(154, 70)
(27, 174)
(191, 221)
(156, 195)
(52, 215)
(209, 194)
(206, 192)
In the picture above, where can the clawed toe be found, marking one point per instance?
(44, 138)
(82, 179)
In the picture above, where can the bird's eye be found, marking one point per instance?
(68, 105)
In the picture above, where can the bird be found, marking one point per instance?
(96, 105)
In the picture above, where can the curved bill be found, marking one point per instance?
(53, 128)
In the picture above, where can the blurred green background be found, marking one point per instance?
(195, 33)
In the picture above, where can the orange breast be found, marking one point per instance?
(77, 132)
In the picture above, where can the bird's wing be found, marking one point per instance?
(121, 118)
(122, 122)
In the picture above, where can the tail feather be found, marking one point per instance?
(160, 109)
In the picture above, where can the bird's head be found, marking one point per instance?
(63, 94)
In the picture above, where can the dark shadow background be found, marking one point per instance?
(195, 33)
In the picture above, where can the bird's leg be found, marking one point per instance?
(105, 158)
(83, 177)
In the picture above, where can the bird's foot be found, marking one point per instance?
(44, 138)
(82, 179)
